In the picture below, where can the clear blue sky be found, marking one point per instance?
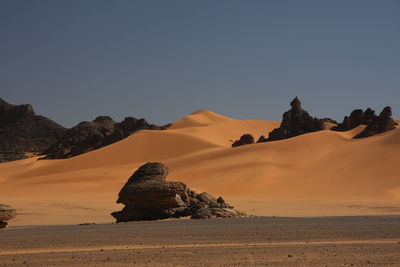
(74, 60)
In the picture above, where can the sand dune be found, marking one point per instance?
(322, 173)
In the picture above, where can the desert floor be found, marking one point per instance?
(257, 241)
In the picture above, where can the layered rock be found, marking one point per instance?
(6, 213)
(245, 139)
(382, 123)
(88, 136)
(296, 121)
(148, 196)
(23, 133)
(357, 117)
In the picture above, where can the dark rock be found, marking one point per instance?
(380, 124)
(245, 139)
(262, 139)
(357, 117)
(208, 213)
(329, 120)
(88, 136)
(220, 200)
(148, 196)
(6, 213)
(24, 134)
(296, 121)
(369, 116)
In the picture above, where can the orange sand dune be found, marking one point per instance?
(322, 173)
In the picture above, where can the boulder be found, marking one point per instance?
(245, 139)
(296, 121)
(382, 123)
(6, 213)
(23, 133)
(147, 195)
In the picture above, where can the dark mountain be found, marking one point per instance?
(88, 136)
(23, 133)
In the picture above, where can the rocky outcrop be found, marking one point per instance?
(357, 117)
(296, 121)
(262, 139)
(379, 124)
(23, 133)
(88, 136)
(148, 196)
(6, 213)
(329, 120)
(245, 139)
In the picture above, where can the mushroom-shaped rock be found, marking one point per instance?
(383, 123)
(245, 139)
(148, 196)
(6, 213)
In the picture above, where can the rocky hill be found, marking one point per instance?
(88, 136)
(23, 133)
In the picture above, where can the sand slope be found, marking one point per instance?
(322, 173)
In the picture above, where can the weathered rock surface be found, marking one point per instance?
(357, 117)
(245, 139)
(22, 133)
(296, 121)
(148, 196)
(88, 136)
(379, 124)
(6, 213)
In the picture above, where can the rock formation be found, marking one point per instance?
(328, 120)
(6, 213)
(262, 139)
(296, 121)
(148, 196)
(357, 117)
(22, 133)
(88, 136)
(245, 139)
(380, 124)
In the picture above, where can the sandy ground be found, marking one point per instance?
(262, 241)
(316, 174)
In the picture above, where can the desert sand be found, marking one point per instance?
(324, 173)
(327, 241)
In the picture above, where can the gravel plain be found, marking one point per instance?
(257, 241)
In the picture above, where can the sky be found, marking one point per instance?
(161, 60)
